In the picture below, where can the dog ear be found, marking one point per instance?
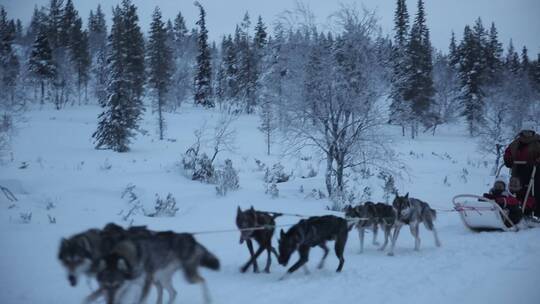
(238, 210)
(407, 195)
(281, 233)
(252, 209)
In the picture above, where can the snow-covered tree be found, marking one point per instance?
(419, 83)
(123, 106)
(9, 62)
(41, 64)
(159, 58)
(203, 75)
(400, 110)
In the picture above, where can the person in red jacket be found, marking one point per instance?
(521, 156)
(506, 201)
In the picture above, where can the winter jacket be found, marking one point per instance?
(523, 149)
(503, 200)
(509, 200)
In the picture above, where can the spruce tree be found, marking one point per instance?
(203, 73)
(399, 109)
(159, 58)
(471, 79)
(97, 31)
(453, 55)
(419, 85)
(36, 23)
(9, 62)
(80, 55)
(493, 54)
(512, 59)
(41, 64)
(123, 105)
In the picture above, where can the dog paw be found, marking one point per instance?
(390, 254)
(376, 243)
(267, 271)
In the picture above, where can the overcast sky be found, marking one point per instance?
(516, 19)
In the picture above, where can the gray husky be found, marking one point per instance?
(372, 216)
(412, 212)
(81, 253)
(146, 260)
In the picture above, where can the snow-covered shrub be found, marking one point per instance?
(315, 194)
(226, 179)
(272, 190)
(134, 204)
(446, 182)
(366, 194)
(311, 172)
(339, 201)
(26, 217)
(276, 174)
(389, 187)
(165, 207)
(190, 158)
(204, 170)
(260, 165)
(106, 165)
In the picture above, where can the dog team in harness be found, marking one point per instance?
(118, 258)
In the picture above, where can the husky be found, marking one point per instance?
(412, 212)
(80, 253)
(372, 215)
(146, 260)
(311, 232)
(251, 218)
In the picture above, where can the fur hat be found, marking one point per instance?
(528, 125)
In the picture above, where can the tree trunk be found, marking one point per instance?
(160, 115)
(328, 177)
(340, 165)
(42, 92)
(268, 141)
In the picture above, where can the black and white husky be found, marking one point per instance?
(411, 211)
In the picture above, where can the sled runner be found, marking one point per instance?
(480, 214)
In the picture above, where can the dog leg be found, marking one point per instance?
(93, 296)
(159, 288)
(361, 237)
(268, 259)
(414, 231)
(394, 239)
(253, 260)
(437, 241)
(304, 256)
(325, 249)
(206, 292)
(387, 230)
(339, 248)
(251, 253)
(170, 290)
(375, 230)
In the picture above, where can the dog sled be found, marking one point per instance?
(480, 214)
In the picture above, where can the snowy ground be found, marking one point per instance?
(69, 180)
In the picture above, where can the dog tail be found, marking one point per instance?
(433, 213)
(208, 260)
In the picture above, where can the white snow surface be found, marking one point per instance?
(64, 169)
